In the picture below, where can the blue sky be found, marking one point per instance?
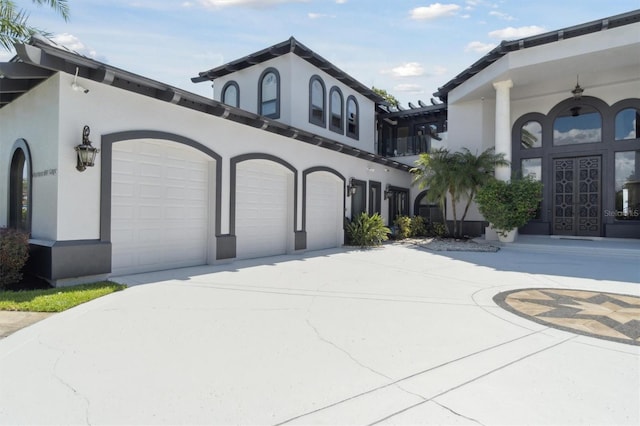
(407, 47)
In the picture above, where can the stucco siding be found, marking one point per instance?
(34, 118)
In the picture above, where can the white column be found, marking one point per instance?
(503, 126)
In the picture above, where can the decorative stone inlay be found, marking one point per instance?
(597, 314)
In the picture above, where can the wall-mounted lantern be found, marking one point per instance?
(85, 151)
(387, 193)
(351, 188)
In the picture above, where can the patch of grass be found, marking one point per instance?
(55, 299)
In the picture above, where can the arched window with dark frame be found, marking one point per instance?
(231, 94)
(336, 110)
(627, 124)
(577, 124)
(20, 188)
(531, 135)
(353, 118)
(269, 93)
(317, 101)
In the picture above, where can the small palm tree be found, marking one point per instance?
(436, 171)
(14, 26)
(458, 175)
(477, 171)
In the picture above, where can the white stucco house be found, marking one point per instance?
(291, 145)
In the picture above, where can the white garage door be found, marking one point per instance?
(324, 211)
(159, 214)
(263, 208)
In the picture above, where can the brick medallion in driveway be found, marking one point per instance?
(591, 313)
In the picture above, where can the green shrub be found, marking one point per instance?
(366, 230)
(14, 251)
(509, 205)
(438, 230)
(403, 226)
(418, 226)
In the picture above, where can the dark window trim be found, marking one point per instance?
(393, 198)
(15, 180)
(617, 108)
(361, 185)
(331, 126)
(224, 93)
(313, 120)
(607, 148)
(601, 107)
(355, 134)
(375, 205)
(262, 76)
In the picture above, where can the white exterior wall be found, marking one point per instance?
(295, 74)
(106, 110)
(34, 118)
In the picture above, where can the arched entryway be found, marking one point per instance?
(587, 154)
(20, 187)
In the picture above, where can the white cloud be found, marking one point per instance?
(408, 88)
(249, 3)
(341, 1)
(439, 70)
(511, 33)
(312, 15)
(575, 136)
(478, 46)
(410, 69)
(73, 43)
(501, 15)
(434, 11)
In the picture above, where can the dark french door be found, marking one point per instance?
(577, 196)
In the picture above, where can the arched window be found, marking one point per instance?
(577, 124)
(231, 94)
(628, 124)
(336, 123)
(352, 118)
(20, 188)
(531, 135)
(317, 101)
(269, 94)
(429, 210)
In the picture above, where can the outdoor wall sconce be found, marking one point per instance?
(387, 193)
(85, 151)
(577, 92)
(351, 189)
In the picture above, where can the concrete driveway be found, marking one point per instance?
(393, 335)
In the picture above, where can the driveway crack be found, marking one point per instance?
(456, 413)
(344, 351)
(54, 373)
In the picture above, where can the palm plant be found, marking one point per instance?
(436, 171)
(14, 26)
(458, 175)
(478, 170)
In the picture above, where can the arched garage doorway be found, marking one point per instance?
(263, 207)
(324, 208)
(162, 197)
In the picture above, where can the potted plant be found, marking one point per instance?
(509, 205)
